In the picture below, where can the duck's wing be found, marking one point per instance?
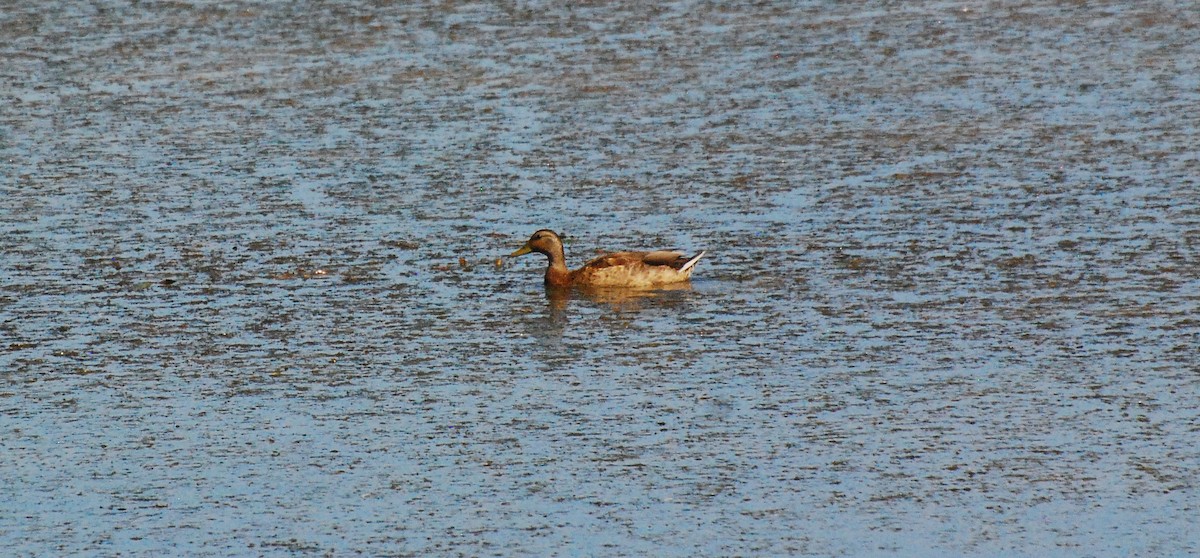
(618, 259)
(672, 259)
(669, 258)
(664, 257)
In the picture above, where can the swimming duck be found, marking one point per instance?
(620, 269)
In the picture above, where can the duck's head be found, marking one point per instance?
(544, 241)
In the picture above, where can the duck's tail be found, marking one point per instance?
(687, 267)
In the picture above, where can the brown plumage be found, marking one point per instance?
(621, 269)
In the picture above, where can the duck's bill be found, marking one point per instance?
(521, 252)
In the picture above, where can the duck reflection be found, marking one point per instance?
(618, 299)
(562, 302)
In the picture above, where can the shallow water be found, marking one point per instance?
(249, 300)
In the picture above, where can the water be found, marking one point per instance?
(250, 304)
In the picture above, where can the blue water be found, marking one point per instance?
(250, 301)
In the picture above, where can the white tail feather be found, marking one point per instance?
(691, 263)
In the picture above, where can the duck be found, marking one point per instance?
(619, 269)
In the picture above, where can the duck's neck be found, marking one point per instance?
(557, 274)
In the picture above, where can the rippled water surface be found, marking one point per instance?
(250, 301)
